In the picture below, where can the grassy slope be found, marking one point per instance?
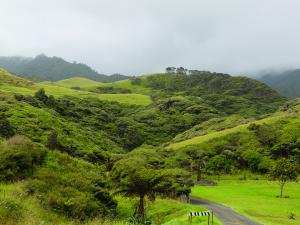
(17, 208)
(88, 85)
(13, 84)
(222, 133)
(255, 199)
(126, 84)
(76, 82)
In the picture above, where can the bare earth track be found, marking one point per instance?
(225, 214)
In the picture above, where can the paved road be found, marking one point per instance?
(225, 214)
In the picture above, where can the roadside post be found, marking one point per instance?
(209, 214)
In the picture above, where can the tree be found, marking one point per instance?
(198, 161)
(170, 69)
(134, 178)
(218, 164)
(283, 171)
(6, 129)
(19, 156)
(52, 141)
(41, 95)
(181, 70)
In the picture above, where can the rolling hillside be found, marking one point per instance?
(251, 144)
(44, 68)
(79, 138)
(286, 83)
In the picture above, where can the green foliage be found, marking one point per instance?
(283, 171)
(126, 141)
(219, 164)
(6, 129)
(251, 146)
(18, 158)
(135, 177)
(72, 186)
(112, 90)
(52, 141)
(10, 210)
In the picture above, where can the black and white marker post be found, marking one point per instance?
(209, 215)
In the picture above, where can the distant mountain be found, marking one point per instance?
(286, 83)
(44, 68)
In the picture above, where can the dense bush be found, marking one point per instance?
(6, 129)
(19, 157)
(134, 176)
(72, 186)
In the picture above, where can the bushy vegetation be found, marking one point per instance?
(18, 158)
(79, 147)
(254, 146)
(73, 187)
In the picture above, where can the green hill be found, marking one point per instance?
(286, 83)
(79, 82)
(248, 144)
(67, 146)
(44, 68)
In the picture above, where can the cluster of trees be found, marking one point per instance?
(82, 190)
(182, 70)
(144, 177)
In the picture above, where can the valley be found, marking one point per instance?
(79, 151)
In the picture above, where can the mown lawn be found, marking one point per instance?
(256, 199)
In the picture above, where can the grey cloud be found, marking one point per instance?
(143, 36)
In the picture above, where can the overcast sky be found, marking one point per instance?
(143, 36)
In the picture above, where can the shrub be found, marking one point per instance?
(6, 130)
(18, 158)
(72, 187)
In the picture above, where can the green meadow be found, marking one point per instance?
(11, 84)
(76, 82)
(256, 199)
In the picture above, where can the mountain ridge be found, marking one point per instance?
(44, 68)
(287, 82)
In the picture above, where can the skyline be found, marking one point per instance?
(136, 37)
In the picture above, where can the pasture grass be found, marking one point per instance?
(256, 199)
(57, 91)
(222, 133)
(126, 84)
(77, 82)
